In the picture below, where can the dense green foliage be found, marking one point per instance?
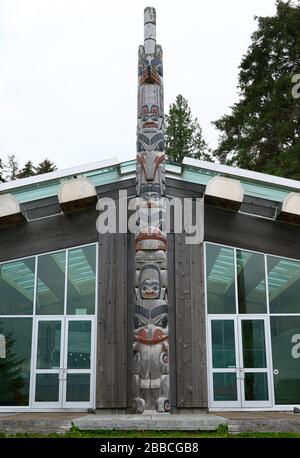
(27, 171)
(11, 380)
(262, 131)
(183, 133)
(45, 166)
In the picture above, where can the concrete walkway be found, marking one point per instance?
(46, 423)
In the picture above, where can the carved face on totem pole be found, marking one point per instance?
(150, 70)
(150, 348)
(150, 104)
(151, 319)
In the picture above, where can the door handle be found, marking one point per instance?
(62, 374)
(240, 374)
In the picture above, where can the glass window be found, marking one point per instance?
(79, 345)
(225, 387)
(81, 281)
(47, 388)
(220, 279)
(15, 355)
(285, 332)
(51, 284)
(254, 347)
(48, 348)
(256, 386)
(251, 282)
(284, 285)
(78, 388)
(17, 287)
(223, 344)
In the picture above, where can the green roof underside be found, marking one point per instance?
(121, 172)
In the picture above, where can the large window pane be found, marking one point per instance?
(223, 344)
(285, 332)
(220, 280)
(225, 387)
(47, 388)
(81, 281)
(15, 355)
(251, 282)
(256, 386)
(51, 284)
(254, 348)
(79, 345)
(49, 342)
(17, 287)
(284, 285)
(78, 387)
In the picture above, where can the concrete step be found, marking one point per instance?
(155, 422)
(36, 426)
(264, 426)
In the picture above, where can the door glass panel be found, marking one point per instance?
(79, 345)
(48, 349)
(220, 280)
(251, 282)
(51, 284)
(284, 285)
(78, 387)
(256, 386)
(15, 358)
(17, 287)
(81, 281)
(223, 344)
(47, 388)
(285, 332)
(225, 386)
(253, 340)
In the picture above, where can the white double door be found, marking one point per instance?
(63, 363)
(240, 373)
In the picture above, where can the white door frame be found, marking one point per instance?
(243, 370)
(63, 371)
(231, 370)
(91, 371)
(239, 369)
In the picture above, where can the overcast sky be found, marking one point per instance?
(68, 70)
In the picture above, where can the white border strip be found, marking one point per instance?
(63, 173)
(242, 173)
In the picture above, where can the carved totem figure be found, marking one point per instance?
(151, 355)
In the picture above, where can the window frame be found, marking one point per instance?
(268, 315)
(34, 316)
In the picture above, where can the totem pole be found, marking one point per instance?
(151, 356)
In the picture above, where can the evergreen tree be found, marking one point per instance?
(11, 167)
(183, 133)
(45, 166)
(11, 380)
(262, 132)
(27, 171)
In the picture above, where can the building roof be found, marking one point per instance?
(191, 170)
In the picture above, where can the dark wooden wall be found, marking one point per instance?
(252, 233)
(112, 332)
(188, 369)
(48, 234)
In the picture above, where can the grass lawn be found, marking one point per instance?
(221, 433)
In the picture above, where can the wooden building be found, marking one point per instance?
(67, 291)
